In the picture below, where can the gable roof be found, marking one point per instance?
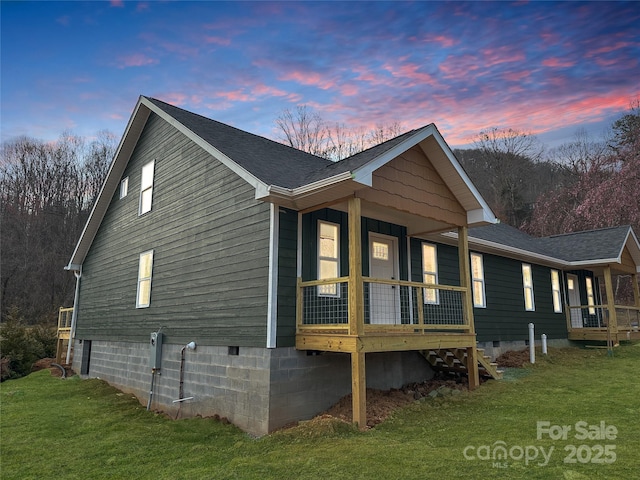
(591, 247)
(280, 173)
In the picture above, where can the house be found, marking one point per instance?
(221, 273)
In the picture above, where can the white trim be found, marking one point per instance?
(319, 258)
(395, 247)
(528, 288)
(272, 298)
(481, 280)
(426, 301)
(556, 308)
(299, 248)
(409, 277)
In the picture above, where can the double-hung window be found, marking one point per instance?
(328, 257)
(527, 283)
(477, 280)
(146, 187)
(145, 269)
(124, 187)
(555, 291)
(430, 272)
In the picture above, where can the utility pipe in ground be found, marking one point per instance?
(532, 344)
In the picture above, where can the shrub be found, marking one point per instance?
(21, 346)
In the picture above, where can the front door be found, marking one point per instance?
(574, 301)
(384, 300)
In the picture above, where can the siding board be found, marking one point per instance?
(211, 241)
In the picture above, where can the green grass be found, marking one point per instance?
(53, 428)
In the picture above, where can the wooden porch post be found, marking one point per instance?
(612, 325)
(356, 314)
(636, 289)
(465, 282)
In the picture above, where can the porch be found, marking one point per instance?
(357, 314)
(64, 332)
(608, 322)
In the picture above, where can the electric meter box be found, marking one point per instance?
(155, 345)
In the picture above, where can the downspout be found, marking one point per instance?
(74, 315)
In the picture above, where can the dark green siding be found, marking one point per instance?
(505, 318)
(287, 273)
(210, 239)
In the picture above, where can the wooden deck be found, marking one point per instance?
(603, 323)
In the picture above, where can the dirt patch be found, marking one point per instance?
(382, 403)
(513, 358)
(48, 363)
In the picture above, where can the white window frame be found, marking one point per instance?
(143, 279)
(555, 291)
(590, 295)
(124, 187)
(482, 301)
(146, 188)
(333, 289)
(430, 296)
(528, 287)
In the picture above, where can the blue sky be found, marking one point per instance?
(543, 67)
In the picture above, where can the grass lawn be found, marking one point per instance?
(66, 429)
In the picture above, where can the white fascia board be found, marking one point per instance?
(364, 174)
(303, 190)
(226, 161)
(480, 216)
(109, 186)
(488, 214)
(512, 250)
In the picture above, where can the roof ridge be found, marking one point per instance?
(586, 231)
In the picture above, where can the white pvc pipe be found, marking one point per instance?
(544, 343)
(532, 344)
(74, 315)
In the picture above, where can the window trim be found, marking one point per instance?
(146, 188)
(124, 187)
(556, 293)
(528, 288)
(481, 281)
(336, 288)
(427, 293)
(143, 279)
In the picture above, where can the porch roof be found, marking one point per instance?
(591, 248)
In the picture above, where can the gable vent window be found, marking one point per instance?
(145, 269)
(146, 187)
(124, 187)
(527, 283)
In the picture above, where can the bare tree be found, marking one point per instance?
(46, 192)
(303, 129)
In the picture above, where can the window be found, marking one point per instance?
(328, 257)
(590, 298)
(430, 272)
(477, 280)
(145, 267)
(527, 283)
(124, 187)
(146, 187)
(555, 290)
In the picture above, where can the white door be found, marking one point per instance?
(574, 301)
(384, 300)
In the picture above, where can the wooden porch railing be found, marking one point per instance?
(389, 306)
(594, 322)
(64, 331)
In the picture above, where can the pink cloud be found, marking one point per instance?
(459, 66)
(136, 60)
(217, 40)
(607, 49)
(517, 76)
(443, 40)
(117, 3)
(500, 55)
(308, 78)
(234, 96)
(557, 63)
(410, 71)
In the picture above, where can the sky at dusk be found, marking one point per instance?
(544, 67)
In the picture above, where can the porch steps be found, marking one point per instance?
(455, 360)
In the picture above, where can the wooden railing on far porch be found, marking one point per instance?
(64, 331)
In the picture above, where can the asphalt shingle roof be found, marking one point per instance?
(271, 162)
(605, 243)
